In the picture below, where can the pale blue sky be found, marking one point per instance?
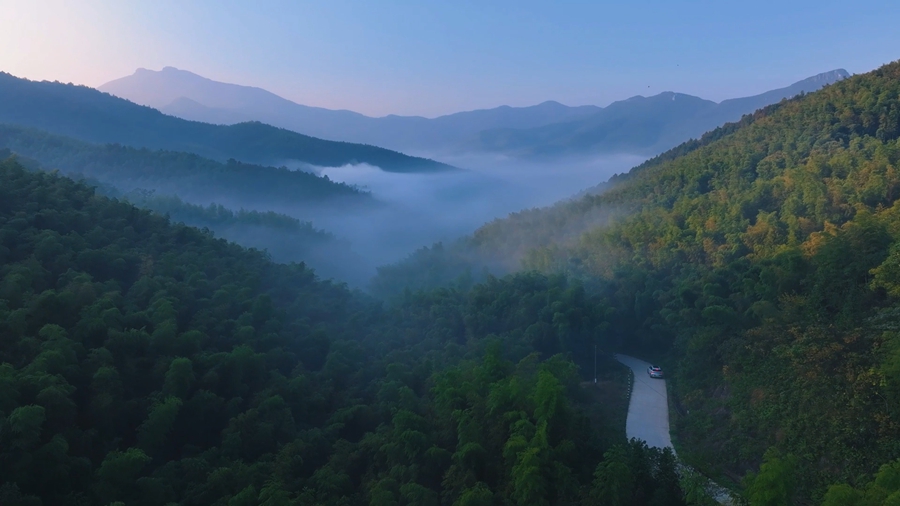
(430, 57)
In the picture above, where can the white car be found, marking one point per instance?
(655, 371)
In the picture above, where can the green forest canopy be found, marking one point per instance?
(125, 172)
(284, 238)
(760, 262)
(148, 363)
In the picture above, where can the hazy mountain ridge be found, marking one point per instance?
(198, 179)
(179, 92)
(284, 238)
(192, 190)
(639, 125)
(87, 114)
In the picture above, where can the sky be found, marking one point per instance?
(424, 57)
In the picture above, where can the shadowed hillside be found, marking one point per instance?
(191, 176)
(90, 115)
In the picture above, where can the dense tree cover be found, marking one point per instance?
(178, 173)
(123, 172)
(883, 490)
(90, 115)
(436, 266)
(285, 238)
(760, 263)
(502, 245)
(148, 363)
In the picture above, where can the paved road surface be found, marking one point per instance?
(648, 411)
(648, 417)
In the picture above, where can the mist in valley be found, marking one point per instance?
(345, 236)
(421, 209)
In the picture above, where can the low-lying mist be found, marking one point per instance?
(402, 213)
(421, 209)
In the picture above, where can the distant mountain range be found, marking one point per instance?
(192, 177)
(190, 96)
(90, 115)
(639, 125)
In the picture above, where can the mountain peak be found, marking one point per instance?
(167, 71)
(825, 78)
(173, 71)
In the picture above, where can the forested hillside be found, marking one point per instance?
(145, 363)
(284, 238)
(164, 181)
(90, 115)
(188, 175)
(761, 264)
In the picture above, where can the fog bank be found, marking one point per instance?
(421, 209)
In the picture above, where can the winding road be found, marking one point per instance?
(648, 417)
(648, 411)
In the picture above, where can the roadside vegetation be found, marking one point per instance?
(762, 262)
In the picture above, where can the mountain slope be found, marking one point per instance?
(193, 97)
(284, 238)
(191, 176)
(90, 115)
(629, 126)
(646, 125)
(732, 109)
(759, 265)
(145, 363)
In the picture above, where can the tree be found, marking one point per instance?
(613, 479)
(694, 486)
(842, 495)
(153, 432)
(118, 473)
(773, 485)
(26, 423)
(179, 377)
(478, 495)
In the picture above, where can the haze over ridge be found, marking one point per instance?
(545, 128)
(94, 116)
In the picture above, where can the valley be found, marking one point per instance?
(395, 268)
(395, 213)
